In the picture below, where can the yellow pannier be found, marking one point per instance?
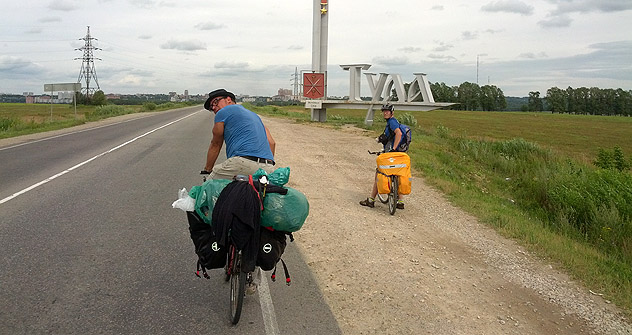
(397, 163)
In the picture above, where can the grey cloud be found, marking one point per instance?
(557, 21)
(209, 26)
(145, 37)
(63, 5)
(531, 55)
(143, 3)
(391, 61)
(184, 45)
(34, 31)
(295, 47)
(232, 69)
(409, 49)
(50, 19)
(443, 47)
(469, 35)
(444, 58)
(509, 6)
(231, 65)
(17, 66)
(585, 6)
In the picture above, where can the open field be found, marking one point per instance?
(576, 136)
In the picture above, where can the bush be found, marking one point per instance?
(150, 106)
(408, 119)
(612, 159)
(9, 123)
(102, 112)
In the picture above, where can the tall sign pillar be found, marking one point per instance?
(319, 51)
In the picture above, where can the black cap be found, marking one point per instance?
(217, 93)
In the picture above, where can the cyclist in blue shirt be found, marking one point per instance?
(391, 138)
(249, 144)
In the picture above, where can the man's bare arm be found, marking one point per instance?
(216, 145)
(270, 140)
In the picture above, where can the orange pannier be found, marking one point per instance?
(397, 163)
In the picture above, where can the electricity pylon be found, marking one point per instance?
(88, 72)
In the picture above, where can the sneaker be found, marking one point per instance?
(251, 288)
(400, 205)
(368, 202)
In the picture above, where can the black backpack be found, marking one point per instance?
(210, 254)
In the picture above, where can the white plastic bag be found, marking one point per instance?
(184, 202)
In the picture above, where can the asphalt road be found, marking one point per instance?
(89, 242)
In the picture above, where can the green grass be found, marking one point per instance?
(531, 177)
(20, 119)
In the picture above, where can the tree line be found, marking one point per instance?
(583, 100)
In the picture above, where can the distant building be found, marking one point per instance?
(283, 95)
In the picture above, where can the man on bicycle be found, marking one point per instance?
(249, 144)
(392, 139)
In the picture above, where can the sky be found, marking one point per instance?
(254, 47)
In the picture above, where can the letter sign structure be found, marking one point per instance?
(313, 85)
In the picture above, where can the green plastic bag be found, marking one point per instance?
(278, 177)
(205, 197)
(285, 212)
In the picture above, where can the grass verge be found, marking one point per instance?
(22, 119)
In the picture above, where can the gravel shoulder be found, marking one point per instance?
(430, 268)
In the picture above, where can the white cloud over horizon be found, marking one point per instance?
(252, 47)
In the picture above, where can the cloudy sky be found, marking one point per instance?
(253, 46)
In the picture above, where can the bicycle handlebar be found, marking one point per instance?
(204, 172)
(376, 152)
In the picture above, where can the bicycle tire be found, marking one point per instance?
(237, 287)
(392, 196)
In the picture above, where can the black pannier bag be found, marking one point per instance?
(210, 254)
(271, 247)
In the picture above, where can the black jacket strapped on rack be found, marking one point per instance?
(238, 211)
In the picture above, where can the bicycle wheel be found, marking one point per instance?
(237, 286)
(392, 196)
(383, 198)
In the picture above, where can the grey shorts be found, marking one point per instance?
(238, 165)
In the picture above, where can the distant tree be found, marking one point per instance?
(99, 99)
(557, 99)
(623, 102)
(535, 102)
(468, 95)
(492, 98)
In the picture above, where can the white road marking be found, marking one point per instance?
(267, 308)
(34, 186)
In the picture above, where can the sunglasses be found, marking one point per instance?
(215, 101)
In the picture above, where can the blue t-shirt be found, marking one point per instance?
(389, 131)
(244, 133)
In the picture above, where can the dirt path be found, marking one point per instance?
(431, 268)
